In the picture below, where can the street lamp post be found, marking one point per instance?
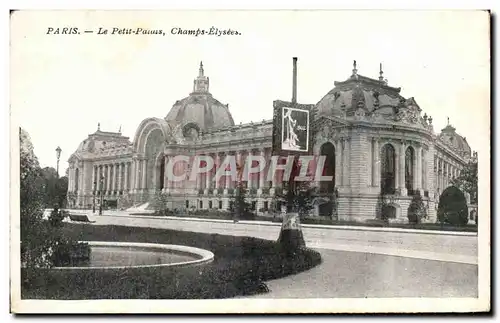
(101, 180)
(58, 155)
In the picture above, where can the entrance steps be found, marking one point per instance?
(142, 208)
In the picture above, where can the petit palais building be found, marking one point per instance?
(378, 145)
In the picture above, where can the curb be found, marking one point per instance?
(309, 226)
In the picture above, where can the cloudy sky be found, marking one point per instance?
(63, 85)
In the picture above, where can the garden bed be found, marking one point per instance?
(240, 267)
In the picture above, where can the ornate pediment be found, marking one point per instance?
(331, 121)
(325, 127)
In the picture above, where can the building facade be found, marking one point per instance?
(379, 146)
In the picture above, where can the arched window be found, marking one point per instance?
(388, 171)
(409, 168)
(328, 150)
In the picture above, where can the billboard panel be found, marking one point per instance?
(292, 128)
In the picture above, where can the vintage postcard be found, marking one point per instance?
(231, 161)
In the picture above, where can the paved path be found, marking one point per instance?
(356, 275)
(355, 263)
(449, 248)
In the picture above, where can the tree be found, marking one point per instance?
(416, 210)
(241, 208)
(42, 242)
(302, 199)
(36, 245)
(467, 180)
(55, 187)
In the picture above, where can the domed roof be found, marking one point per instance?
(453, 139)
(201, 108)
(360, 91)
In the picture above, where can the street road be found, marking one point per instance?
(355, 263)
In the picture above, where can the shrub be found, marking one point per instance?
(416, 210)
(452, 207)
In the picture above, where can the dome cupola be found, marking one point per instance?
(200, 107)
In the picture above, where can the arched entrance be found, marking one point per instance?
(452, 208)
(159, 172)
(388, 212)
(154, 145)
(324, 206)
(409, 169)
(148, 142)
(328, 150)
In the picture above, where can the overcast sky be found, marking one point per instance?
(63, 85)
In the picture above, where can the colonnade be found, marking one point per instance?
(111, 178)
(75, 178)
(446, 171)
(206, 184)
(419, 164)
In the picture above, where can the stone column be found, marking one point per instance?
(143, 175)
(108, 186)
(402, 178)
(418, 169)
(125, 181)
(113, 178)
(137, 178)
(338, 164)
(133, 174)
(448, 170)
(440, 175)
(69, 179)
(217, 180)
(227, 179)
(445, 176)
(262, 174)
(120, 169)
(198, 183)
(272, 171)
(416, 176)
(375, 163)
(423, 171)
(93, 178)
(345, 162)
(250, 181)
(166, 187)
(208, 179)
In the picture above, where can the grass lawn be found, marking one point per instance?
(240, 267)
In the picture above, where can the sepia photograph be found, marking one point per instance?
(318, 161)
